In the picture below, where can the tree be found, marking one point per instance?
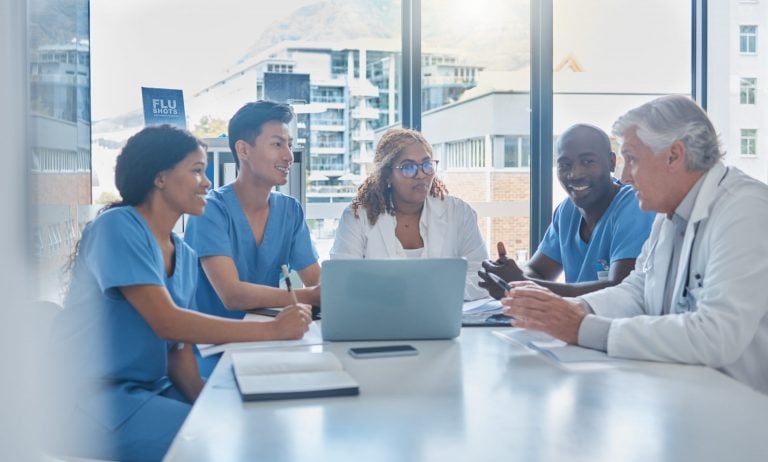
(210, 127)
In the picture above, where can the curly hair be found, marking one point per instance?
(374, 194)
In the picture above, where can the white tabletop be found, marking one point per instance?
(478, 398)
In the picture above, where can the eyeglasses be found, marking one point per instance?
(410, 169)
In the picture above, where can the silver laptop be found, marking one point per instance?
(392, 299)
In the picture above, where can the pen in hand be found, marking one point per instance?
(288, 284)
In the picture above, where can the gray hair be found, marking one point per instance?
(664, 120)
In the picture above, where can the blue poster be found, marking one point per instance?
(163, 106)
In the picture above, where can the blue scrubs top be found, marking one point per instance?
(223, 230)
(118, 361)
(618, 235)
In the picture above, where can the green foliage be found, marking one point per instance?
(107, 197)
(209, 127)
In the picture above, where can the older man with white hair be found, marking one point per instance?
(699, 291)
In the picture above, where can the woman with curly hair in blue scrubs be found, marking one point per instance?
(125, 335)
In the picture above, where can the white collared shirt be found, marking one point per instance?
(448, 227)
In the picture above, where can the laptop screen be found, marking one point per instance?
(406, 299)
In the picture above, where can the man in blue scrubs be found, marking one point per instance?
(248, 230)
(596, 233)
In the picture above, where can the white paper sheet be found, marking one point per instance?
(311, 337)
(550, 346)
(484, 305)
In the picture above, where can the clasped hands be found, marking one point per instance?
(530, 305)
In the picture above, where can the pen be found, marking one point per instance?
(288, 284)
(503, 285)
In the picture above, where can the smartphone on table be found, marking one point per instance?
(383, 351)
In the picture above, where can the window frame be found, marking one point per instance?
(750, 38)
(751, 140)
(748, 91)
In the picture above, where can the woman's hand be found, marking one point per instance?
(292, 322)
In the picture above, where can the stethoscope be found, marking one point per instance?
(698, 281)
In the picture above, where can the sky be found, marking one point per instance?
(169, 44)
(188, 44)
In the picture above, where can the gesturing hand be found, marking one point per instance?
(504, 268)
(537, 309)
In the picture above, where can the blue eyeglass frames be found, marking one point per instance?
(410, 169)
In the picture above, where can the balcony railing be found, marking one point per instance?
(365, 113)
(340, 189)
(327, 167)
(363, 135)
(328, 144)
(327, 99)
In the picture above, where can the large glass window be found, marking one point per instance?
(475, 83)
(475, 100)
(60, 124)
(337, 65)
(610, 56)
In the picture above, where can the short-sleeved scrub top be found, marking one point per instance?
(618, 235)
(115, 362)
(223, 230)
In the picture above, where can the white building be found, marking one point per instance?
(738, 72)
(354, 89)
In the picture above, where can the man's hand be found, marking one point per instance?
(292, 322)
(504, 268)
(537, 309)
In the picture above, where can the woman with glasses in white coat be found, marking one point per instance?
(403, 211)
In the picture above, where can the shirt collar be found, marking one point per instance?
(685, 209)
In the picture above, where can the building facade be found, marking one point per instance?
(738, 73)
(354, 90)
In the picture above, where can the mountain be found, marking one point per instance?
(55, 22)
(332, 20)
(498, 42)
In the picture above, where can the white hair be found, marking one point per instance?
(661, 122)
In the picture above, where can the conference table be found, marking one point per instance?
(480, 398)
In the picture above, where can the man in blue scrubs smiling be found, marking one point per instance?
(248, 230)
(596, 233)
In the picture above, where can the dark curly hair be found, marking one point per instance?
(147, 153)
(374, 194)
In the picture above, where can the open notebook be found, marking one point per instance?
(290, 374)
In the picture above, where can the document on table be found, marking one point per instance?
(484, 305)
(311, 337)
(550, 346)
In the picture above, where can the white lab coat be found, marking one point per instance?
(448, 227)
(718, 313)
